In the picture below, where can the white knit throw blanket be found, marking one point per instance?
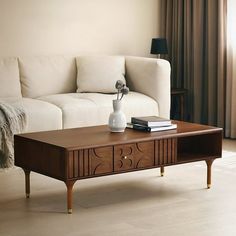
(13, 120)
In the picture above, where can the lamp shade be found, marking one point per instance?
(159, 46)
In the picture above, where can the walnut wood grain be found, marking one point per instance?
(133, 156)
(74, 154)
(100, 136)
(94, 161)
(165, 151)
(209, 164)
(27, 183)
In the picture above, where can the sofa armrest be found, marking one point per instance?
(151, 77)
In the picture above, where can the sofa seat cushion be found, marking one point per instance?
(41, 116)
(88, 109)
(9, 78)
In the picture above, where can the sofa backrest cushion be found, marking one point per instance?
(99, 73)
(9, 78)
(47, 75)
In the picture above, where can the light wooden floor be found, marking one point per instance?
(140, 203)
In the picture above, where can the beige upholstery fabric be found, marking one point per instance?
(99, 73)
(151, 77)
(47, 75)
(41, 115)
(87, 109)
(9, 78)
(51, 79)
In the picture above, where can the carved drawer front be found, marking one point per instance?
(165, 151)
(89, 162)
(133, 156)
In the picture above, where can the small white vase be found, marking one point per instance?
(117, 119)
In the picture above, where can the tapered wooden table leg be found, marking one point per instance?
(162, 171)
(69, 185)
(27, 183)
(209, 164)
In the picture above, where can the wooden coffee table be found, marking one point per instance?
(73, 154)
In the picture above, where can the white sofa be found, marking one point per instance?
(46, 87)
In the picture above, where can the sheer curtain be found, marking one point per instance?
(230, 125)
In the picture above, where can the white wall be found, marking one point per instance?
(39, 27)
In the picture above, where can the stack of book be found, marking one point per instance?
(151, 123)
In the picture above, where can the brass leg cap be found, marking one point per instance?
(69, 211)
(162, 174)
(208, 186)
(27, 195)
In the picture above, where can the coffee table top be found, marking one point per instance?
(98, 136)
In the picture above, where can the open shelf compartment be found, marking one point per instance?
(198, 147)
